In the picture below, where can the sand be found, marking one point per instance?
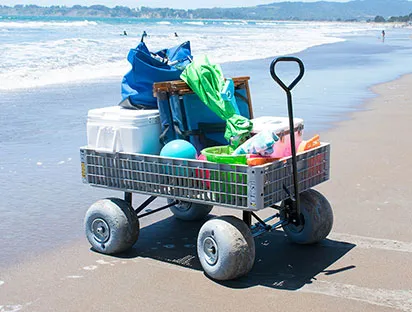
(363, 266)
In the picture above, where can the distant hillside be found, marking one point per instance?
(354, 10)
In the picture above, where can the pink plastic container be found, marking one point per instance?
(280, 125)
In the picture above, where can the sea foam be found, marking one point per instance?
(34, 24)
(60, 52)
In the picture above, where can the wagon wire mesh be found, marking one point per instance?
(235, 186)
(313, 168)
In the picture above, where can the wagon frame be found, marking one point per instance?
(225, 244)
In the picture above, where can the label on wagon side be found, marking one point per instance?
(83, 165)
(252, 193)
(255, 188)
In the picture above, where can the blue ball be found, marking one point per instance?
(179, 149)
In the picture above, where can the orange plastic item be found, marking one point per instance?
(257, 161)
(309, 144)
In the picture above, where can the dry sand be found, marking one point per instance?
(365, 265)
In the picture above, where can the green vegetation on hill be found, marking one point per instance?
(322, 10)
(394, 19)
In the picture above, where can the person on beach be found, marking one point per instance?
(383, 35)
(144, 35)
(124, 33)
(176, 35)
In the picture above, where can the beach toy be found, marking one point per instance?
(309, 144)
(179, 149)
(229, 182)
(201, 157)
(223, 155)
(259, 144)
(280, 126)
(203, 174)
(256, 160)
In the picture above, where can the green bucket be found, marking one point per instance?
(227, 185)
(223, 155)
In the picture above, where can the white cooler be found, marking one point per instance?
(117, 129)
(280, 125)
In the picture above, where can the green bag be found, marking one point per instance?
(207, 81)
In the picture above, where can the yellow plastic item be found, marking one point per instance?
(309, 144)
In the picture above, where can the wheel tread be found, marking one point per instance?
(318, 218)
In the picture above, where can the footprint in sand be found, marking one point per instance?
(74, 276)
(104, 262)
(11, 308)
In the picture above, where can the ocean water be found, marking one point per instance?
(42, 51)
(53, 70)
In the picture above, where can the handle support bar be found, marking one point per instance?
(295, 215)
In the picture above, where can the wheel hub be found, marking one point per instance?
(297, 225)
(183, 206)
(211, 250)
(100, 230)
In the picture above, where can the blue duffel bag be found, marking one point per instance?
(148, 68)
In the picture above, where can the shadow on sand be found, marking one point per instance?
(278, 264)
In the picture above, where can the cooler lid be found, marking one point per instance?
(121, 114)
(277, 124)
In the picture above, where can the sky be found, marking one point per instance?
(177, 4)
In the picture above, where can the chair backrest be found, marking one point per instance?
(185, 116)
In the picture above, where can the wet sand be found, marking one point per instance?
(362, 266)
(42, 129)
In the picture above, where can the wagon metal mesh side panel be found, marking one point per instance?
(235, 186)
(197, 181)
(313, 168)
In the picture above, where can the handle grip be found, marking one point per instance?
(276, 77)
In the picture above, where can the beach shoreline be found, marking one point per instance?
(366, 253)
(354, 93)
(41, 144)
(373, 129)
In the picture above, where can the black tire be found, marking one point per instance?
(316, 219)
(189, 211)
(111, 226)
(226, 248)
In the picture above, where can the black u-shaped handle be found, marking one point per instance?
(287, 59)
(295, 203)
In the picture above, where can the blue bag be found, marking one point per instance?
(147, 68)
